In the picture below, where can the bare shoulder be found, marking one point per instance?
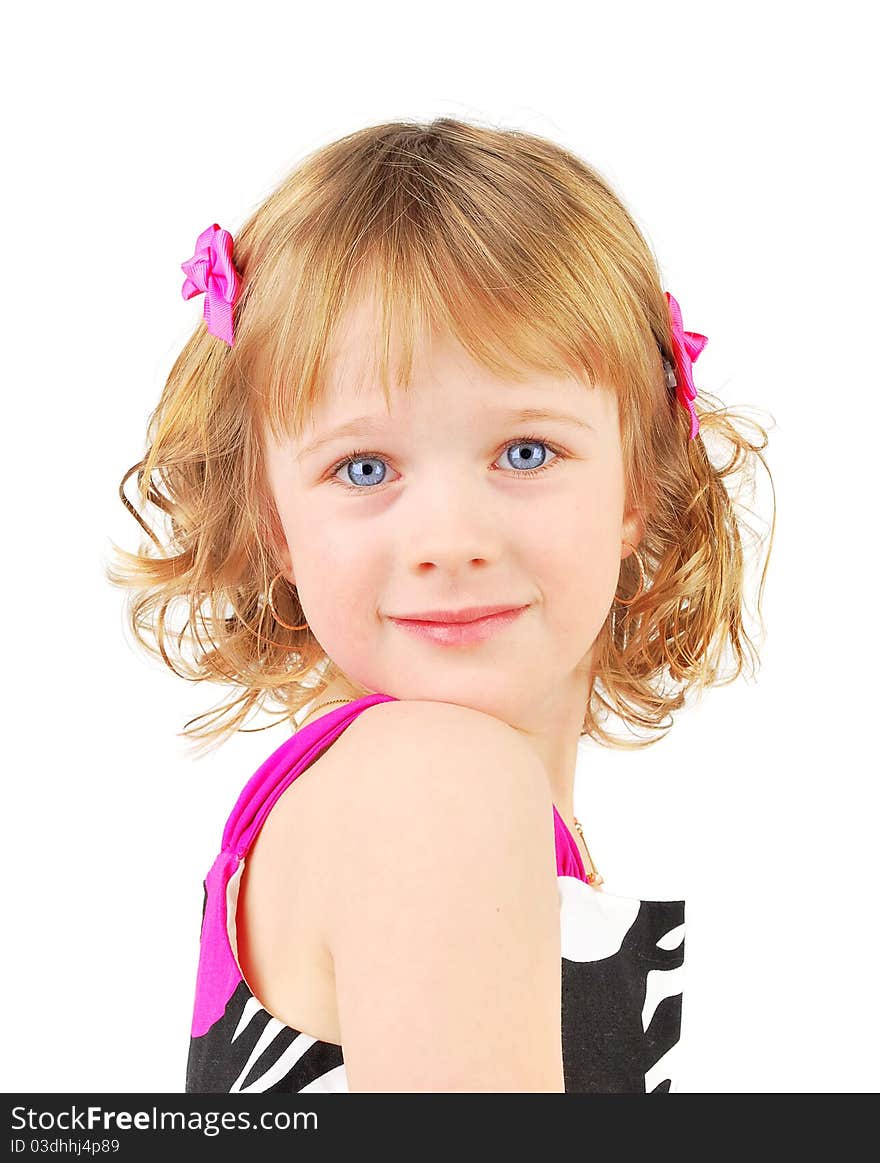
(419, 759)
(442, 911)
(404, 726)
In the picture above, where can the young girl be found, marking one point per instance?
(457, 576)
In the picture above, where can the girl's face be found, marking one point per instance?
(454, 501)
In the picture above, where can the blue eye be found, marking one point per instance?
(372, 476)
(530, 458)
(362, 461)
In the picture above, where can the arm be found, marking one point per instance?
(442, 911)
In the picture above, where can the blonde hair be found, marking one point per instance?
(525, 255)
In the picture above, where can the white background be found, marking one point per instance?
(742, 139)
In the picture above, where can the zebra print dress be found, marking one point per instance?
(622, 965)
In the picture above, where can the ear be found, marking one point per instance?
(632, 531)
(278, 545)
(286, 566)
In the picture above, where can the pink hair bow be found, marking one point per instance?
(687, 345)
(210, 271)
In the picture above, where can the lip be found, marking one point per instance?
(460, 633)
(468, 614)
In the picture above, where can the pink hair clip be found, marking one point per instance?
(687, 345)
(211, 272)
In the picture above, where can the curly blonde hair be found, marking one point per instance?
(523, 253)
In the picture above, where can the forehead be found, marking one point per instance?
(442, 371)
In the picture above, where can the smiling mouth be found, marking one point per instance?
(460, 633)
(457, 617)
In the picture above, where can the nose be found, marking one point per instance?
(450, 523)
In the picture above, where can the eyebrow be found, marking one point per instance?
(374, 424)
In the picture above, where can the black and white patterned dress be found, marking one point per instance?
(622, 965)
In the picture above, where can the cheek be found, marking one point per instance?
(576, 560)
(337, 581)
